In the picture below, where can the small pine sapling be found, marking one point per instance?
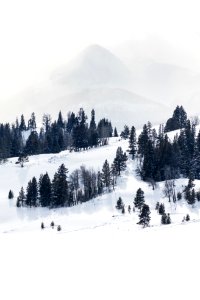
(10, 195)
(59, 228)
(187, 218)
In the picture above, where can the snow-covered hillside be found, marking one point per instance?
(99, 211)
(99, 253)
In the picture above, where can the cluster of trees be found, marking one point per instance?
(82, 185)
(161, 159)
(165, 217)
(177, 121)
(144, 210)
(73, 133)
(190, 195)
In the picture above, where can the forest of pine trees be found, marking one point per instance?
(73, 133)
(161, 159)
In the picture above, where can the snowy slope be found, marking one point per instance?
(100, 253)
(97, 212)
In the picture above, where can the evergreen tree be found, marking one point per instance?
(168, 219)
(21, 198)
(187, 218)
(139, 199)
(32, 144)
(45, 190)
(115, 132)
(120, 161)
(32, 193)
(22, 125)
(144, 216)
(59, 228)
(106, 175)
(93, 134)
(10, 195)
(161, 209)
(42, 225)
(191, 197)
(99, 183)
(120, 203)
(125, 133)
(60, 121)
(132, 142)
(164, 219)
(60, 187)
(32, 122)
(157, 206)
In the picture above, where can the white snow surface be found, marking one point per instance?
(99, 253)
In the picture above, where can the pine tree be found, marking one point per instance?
(21, 198)
(120, 161)
(115, 132)
(168, 219)
(45, 193)
(59, 228)
(120, 203)
(22, 125)
(157, 206)
(161, 209)
(60, 187)
(32, 144)
(99, 183)
(132, 142)
(10, 195)
(106, 175)
(191, 197)
(42, 225)
(125, 133)
(60, 121)
(144, 217)
(164, 219)
(32, 193)
(139, 199)
(32, 122)
(187, 218)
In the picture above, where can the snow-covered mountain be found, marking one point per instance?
(94, 67)
(95, 79)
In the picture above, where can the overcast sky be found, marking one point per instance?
(38, 35)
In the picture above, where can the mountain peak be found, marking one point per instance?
(95, 66)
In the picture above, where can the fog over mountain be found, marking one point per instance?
(133, 85)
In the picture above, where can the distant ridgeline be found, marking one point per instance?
(74, 133)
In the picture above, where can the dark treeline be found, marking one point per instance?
(74, 133)
(161, 159)
(68, 190)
